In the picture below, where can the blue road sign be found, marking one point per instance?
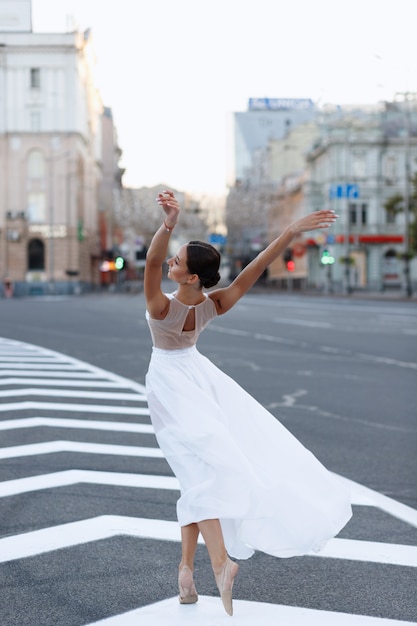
(217, 238)
(352, 191)
(343, 191)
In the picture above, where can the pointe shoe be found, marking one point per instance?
(225, 579)
(188, 592)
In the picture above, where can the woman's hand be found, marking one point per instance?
(313, 221)
(171, 206)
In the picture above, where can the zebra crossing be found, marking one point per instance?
(108, 442)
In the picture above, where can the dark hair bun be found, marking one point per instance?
(209, 282)
(204, 260)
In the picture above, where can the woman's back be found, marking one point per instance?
(169, 333)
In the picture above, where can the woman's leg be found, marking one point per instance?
(189, 537)
(224, 569)
(213, 538)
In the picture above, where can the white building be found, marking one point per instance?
(353, 160)
(356, 166)
(251, 131)
(50, 156)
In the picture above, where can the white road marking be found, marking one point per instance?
(56, 360)
(92, 477)
(60, 382)
(308, 323)
(360, 495)
(106, 526)
(209, 612)
(45, 366)
(327, 349)
(57, 422)
(52, 447)
(70, 393)
(78, 408)
(388, 361)
(369, 497)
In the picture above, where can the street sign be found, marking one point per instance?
(217, 238)
(352, 191)
(343, 191)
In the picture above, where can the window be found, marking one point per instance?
(35, 78)
(359, 164)
(358, 214)
(36, 255)
(36, 165)
(352, 214)
(35, 121)
(364, 213)
(36, 210)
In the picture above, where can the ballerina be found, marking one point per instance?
(246, 482)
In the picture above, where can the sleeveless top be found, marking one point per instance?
(168, 334)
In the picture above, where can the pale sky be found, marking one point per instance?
(171, 70)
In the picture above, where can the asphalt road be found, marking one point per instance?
(339, 373)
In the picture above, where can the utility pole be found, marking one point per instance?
(407, 280)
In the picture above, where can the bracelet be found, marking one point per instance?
(168, 228)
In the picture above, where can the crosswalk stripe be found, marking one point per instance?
(69, 393)
(209, 611)
(62, 422)
(384, 503)
(105, 526)
(61, 382)
(73, 477)
(78, 408)
(52, 447)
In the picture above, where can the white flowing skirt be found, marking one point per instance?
(235, 462)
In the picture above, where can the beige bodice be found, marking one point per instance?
(168, 334)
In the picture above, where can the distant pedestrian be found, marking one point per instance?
(246, 483)
(8, 288)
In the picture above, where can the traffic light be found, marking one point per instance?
(289, 261)
(326, 257)
(119, 263)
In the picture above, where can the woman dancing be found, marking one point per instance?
(246, 483)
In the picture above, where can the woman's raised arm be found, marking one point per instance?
(226, 297)
(156, 301)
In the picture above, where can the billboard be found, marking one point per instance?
(280, 104)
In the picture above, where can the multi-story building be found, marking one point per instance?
(51, 155)
(251, 132)
(353, 160)
(357, 165)
(256, 164)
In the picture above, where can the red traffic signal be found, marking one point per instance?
(289, 262)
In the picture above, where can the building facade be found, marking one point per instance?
(357, 165)
(354, 160)
(51, 155)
